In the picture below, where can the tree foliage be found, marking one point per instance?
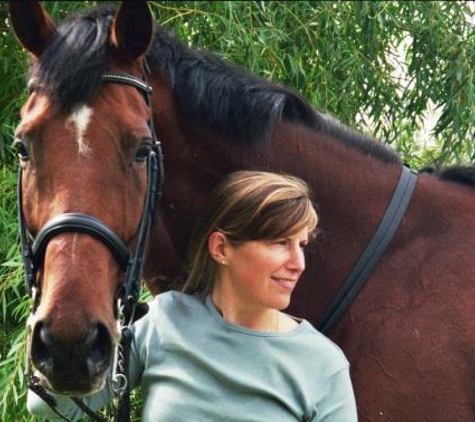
(381, 67)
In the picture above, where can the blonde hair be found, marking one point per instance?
(247, 205)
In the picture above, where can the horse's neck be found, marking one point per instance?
(194, 160)
(352, 190)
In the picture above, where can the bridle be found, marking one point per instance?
(33, 252)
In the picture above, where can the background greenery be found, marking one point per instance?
(381, 67)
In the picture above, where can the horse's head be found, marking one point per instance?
(83, 148)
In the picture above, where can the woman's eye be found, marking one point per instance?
(143, 152)
(21, 150)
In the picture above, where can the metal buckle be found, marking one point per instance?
(119, 380)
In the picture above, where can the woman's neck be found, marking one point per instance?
(238, 312)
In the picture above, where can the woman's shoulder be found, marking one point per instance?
(320, 349)
(160, 305)
(172, 306)
(173, 300)
(167, 311)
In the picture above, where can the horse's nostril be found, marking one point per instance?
(72, 360)
(92, 335)
(99, 345)
(45, 337)
(42, 344)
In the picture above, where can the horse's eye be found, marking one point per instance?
(143, 152)
(21, 150)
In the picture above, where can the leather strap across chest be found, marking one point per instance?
(373, 253)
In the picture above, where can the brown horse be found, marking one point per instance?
(409, 335)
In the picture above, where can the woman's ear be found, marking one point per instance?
(219, 247)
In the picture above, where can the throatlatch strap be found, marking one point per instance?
(376, 248)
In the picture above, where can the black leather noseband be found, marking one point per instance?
(80, 223)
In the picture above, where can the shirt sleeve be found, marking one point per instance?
(65, 406)
(38, 407)
(338, 404)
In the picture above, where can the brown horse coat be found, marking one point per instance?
(409, 335)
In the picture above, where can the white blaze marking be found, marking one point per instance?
(80, 118)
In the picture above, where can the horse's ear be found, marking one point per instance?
(132, 29)
(32, 25)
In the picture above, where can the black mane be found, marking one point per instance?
(207, 89)
(240, 104)
(460, 174)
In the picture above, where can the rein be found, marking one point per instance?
(373, 253)
(33, 251)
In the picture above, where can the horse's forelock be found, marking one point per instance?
(70, 69)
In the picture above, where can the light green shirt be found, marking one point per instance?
(195, 366)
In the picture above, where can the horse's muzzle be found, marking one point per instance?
(77, 367)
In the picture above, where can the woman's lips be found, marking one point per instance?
(286, 283)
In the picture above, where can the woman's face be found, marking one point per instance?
(263, 274)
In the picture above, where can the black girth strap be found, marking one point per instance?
(376, 248)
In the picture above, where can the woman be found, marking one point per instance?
(223, 350)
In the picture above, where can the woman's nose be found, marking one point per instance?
(297, 259)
